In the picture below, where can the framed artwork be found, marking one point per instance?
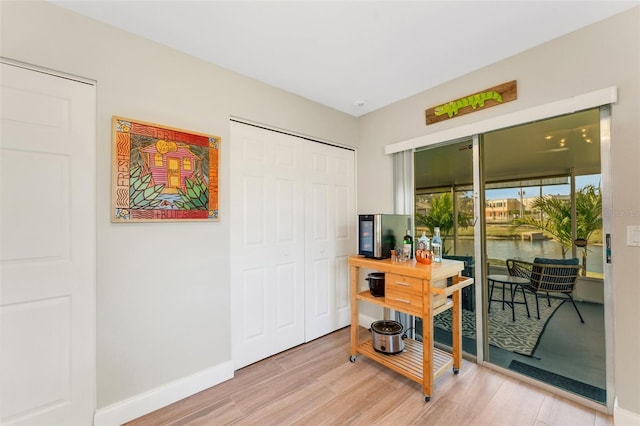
(162, 174)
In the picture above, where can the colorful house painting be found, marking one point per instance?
(163, 174)
(170, 164)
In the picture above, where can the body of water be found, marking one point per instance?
(528, 250)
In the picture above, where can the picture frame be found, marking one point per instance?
(163, 174)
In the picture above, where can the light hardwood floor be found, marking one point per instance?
(315, 384)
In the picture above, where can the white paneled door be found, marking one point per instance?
(288, 193)
(267, 243)
(330, 236)
(47, 249)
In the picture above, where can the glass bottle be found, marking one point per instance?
(407, 246)
(436, 245)
(423, 242)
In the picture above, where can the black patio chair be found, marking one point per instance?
(469, 292)
(556, 276)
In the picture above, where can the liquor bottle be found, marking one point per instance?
(423, 242)
(436, 245)
(407, 245)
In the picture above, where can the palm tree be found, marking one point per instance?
(588, 211)
(556, 218)
(440, 215)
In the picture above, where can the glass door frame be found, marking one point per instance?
(480, 251)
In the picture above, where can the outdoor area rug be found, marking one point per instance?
(520, 336)
(571, 385)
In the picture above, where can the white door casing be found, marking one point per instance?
(47, 249)
(292, 227)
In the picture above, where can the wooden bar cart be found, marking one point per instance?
(419, 290)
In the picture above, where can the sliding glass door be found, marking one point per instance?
(542, 201)
(444, 199)
(544, 206)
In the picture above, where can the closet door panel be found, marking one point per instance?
(267, 243)
(286, 301)
(253, 200)
(345, 231)
(254, 292)
(344, 244)
(330, 238)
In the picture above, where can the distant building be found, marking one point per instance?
(503, 210)
(499, 210)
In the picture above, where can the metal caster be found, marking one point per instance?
(352, 358)
(456, 370)
(427, 398)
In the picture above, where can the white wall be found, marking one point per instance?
(163, 314)
(589, 290)
(603, 55)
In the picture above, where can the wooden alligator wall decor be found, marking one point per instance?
(488, 98)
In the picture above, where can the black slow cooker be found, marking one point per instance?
(387, 336)
(376, 283)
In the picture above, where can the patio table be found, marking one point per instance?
(514, 283)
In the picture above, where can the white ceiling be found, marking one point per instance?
(548, 148)
(338, 53)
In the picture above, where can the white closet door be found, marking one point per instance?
(267, 243)
(48, 249)
(330, 237)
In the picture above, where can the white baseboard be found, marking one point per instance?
(144, 403)
(366, 321)
(622, 417)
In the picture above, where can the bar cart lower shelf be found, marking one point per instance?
(409, 362)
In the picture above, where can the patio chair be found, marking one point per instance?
(548, 276)
(469, 292)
